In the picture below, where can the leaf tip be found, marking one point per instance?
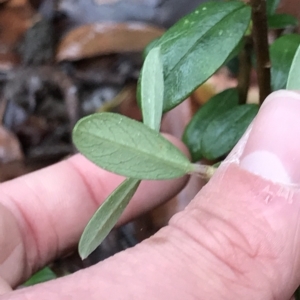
(82, 250)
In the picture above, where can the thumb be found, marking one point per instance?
(238, 239)
(248, 215)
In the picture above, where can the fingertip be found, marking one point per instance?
(4, 287)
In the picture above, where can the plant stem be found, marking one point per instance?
(244, 71)
(204, 171)
(261, 47)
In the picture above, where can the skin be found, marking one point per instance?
(238, 239)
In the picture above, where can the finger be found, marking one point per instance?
(52, 207)
(248, 216)
(238, 239)
(4, 287)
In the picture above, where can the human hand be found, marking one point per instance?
(238, 239)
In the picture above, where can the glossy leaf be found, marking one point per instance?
(106, 217)
(293, 82)
(282, 52)
(43, 275)
(152, 89)
(153, 44)
(272, 6)
(225, 130)
(218, 104)
(282, 21)
(127, 147)
(198, 45)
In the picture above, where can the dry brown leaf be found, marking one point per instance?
(17, 3)
(8, 60)
(100, 2)
(10, 148)
(106, 38)
(14, 21)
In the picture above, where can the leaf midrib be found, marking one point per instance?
(197, 41)
(144, 153)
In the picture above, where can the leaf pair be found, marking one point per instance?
(129, 148)
(218, 125)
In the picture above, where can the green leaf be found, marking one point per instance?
(282, 21)
(198, 45)
(217, 165)
(106, 217)
(127, 147)
(272, 6)
(43, 275)
(225, 130)
(293, 82)
(152, 89)
(282, 52)
(218, 104)
(153, 44)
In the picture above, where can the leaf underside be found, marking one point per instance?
(129, 148)
(106, 217)
(152, 89)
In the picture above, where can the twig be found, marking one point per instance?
(261, 47)
(244, 71)
(204, 171)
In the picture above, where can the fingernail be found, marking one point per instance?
(272, 149)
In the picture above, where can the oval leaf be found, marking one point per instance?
(293, 82)
(218, 104)
(226, 129)
(127, 147)
(43, 275)
(198, 45)
(106, 217)
(282, 52)
(272, 6)
(152, 89)
(282, 21)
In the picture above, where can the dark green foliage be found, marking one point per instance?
(43, 275)
(282, 52)
(278, 21)
(198, 45)
(272, 6)
(226, 129)
(194, 131)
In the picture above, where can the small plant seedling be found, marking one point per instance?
(175, 65)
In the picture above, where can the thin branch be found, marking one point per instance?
(261, 47)
(244, 74)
